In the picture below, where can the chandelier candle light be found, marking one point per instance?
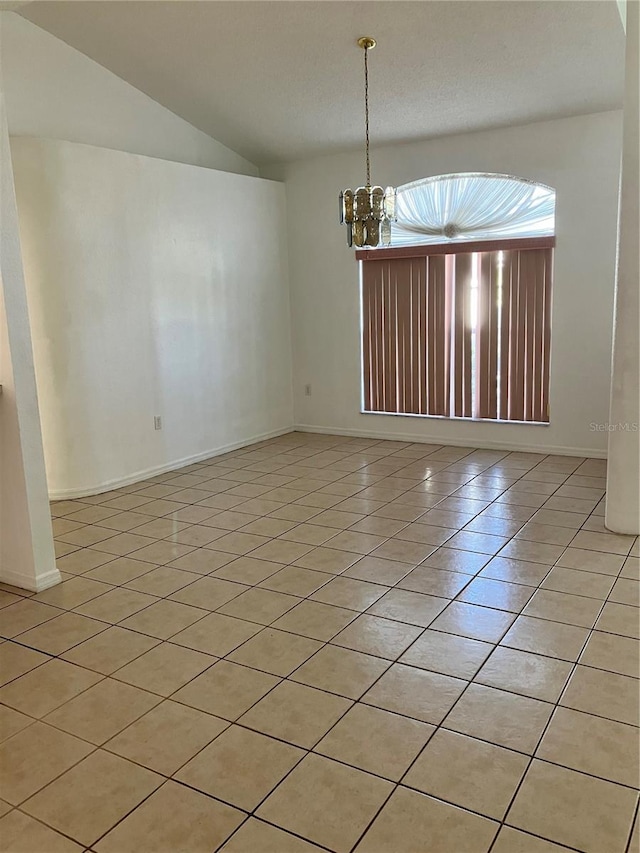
(369, 211)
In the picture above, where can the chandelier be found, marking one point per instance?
(368, 211)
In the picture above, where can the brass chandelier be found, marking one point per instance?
(369, 211)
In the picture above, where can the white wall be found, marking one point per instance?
(26, 541)
(154, 288)
(54, 91)
(580, 157)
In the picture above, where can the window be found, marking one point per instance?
(461, 328)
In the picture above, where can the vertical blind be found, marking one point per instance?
(406, 336)
(461, 331)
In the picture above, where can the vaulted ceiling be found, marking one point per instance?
(278, 80)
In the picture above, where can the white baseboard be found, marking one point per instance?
(416, 438)
(23, 581)
(136, 476)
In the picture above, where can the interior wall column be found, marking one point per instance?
(623, 478)
(27, 557)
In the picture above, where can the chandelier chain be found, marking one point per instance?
(366, 113)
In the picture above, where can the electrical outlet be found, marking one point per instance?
(157, 422)
(307, 390)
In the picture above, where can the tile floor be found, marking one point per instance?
(321, 643)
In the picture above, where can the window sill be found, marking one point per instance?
(455, 418)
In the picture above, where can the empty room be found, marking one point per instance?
(319, 426)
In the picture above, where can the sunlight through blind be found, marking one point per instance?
(457, 332)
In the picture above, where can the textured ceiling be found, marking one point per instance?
(282, 80)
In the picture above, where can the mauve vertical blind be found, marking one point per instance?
(461, 332)
(406, 336)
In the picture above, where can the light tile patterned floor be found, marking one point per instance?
(322, 643)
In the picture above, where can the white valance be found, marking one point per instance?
(472, 206)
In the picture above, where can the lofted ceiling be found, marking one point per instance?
(278, 80)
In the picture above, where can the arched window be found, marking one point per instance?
(456, 315)
(472, 206)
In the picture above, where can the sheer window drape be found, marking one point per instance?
(472, 206)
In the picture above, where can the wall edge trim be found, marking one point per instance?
(109, 485)
(589, 453)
